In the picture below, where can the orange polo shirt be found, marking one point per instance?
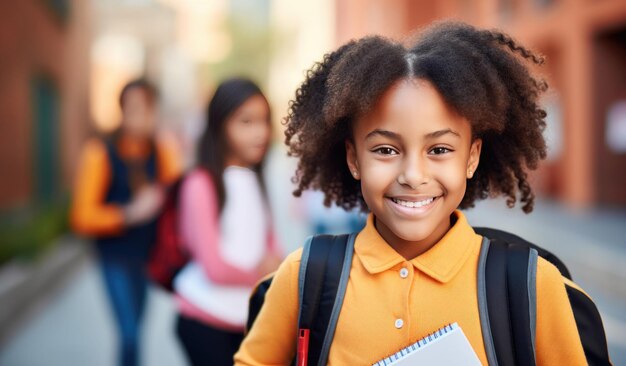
(385, 310)
(90, 215)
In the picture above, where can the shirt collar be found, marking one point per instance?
(442, 262)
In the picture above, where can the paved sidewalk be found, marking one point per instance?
(76, 328)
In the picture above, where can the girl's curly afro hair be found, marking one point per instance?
(482, 75)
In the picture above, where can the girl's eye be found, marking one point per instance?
(440, 150)
(385, 151)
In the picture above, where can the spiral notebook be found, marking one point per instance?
(447, 346)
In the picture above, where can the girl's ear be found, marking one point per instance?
(353, 164)
(474, 157)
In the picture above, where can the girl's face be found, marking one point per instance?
(248, 132)
(138, 113)
(413, 155)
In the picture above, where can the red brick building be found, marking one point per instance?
(44, 73)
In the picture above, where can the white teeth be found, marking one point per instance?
(412, 204)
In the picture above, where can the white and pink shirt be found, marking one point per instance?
(226, 249)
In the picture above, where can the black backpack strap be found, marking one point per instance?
(494, 305)
(521, 278)
(324, 271)
(505, 236)
(590, 328)
(507, 302)
(483, 309)
(256, 301)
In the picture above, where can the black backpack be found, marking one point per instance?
(506, 266)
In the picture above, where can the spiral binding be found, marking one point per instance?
(417, 345)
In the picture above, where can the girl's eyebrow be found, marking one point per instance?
(440, 133)
(385, 133)
(395, 136)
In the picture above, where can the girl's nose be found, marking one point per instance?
(414, 172)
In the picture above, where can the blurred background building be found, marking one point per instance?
(63, 63)
(44, 48)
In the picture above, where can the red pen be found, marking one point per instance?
(303, 347)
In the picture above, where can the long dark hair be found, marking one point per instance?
(228, 97)
(484, 76)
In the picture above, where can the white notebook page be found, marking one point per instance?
(447, 346)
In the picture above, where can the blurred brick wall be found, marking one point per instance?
(36, 41)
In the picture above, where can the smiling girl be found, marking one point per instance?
(413, 134)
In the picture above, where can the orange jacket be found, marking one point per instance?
(90, 215)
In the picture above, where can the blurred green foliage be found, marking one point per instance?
(250, 55)
(28, 232)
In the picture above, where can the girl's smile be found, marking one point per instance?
(412, 206)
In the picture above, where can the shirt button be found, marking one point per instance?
(399, 323)
(404, 273)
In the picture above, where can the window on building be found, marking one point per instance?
(60, 8)
(45, 141)
(507, 9)
(543, 4)
(554, 127)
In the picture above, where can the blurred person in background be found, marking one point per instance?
(329, 220)
(119, 193)
(225, 224)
